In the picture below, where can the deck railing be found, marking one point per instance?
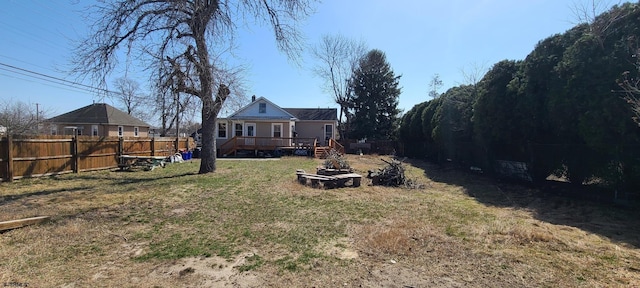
(333, 144)
(265, 143)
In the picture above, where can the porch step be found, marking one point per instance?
(321, 152)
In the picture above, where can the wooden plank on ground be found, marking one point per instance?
(350, 175)
(13, 224)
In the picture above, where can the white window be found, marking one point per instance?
(80, 130)
(222, 130)
(94, 130)
(120, 131)
(136, 131)
(238, 129)
(276, 130)
(262, 108)
(54, 130)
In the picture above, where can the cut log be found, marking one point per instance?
(13, 224)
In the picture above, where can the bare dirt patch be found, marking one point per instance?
(207, 272)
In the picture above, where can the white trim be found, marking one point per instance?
(95, 130)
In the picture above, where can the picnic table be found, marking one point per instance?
(147, 162)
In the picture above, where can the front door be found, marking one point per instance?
(328, 133)
(250, 132)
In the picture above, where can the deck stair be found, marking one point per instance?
(321, 152)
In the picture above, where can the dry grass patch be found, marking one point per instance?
(251, 224)
(396, 238)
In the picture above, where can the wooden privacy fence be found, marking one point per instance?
(33, 156)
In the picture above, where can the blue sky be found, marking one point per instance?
(420, 39)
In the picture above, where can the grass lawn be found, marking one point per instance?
(250, 224)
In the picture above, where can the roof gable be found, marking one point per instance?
(98, 113)
(261, 108)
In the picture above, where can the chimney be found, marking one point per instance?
(253, 98)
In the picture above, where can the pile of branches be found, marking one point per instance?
(335, 161)
(391, 175)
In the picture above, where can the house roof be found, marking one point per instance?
(303, 114)
(324, 114)
(98, 113)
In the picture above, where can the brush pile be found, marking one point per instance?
(391, 175)
(334, 164)
(335, 161)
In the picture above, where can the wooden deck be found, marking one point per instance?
(273, 145)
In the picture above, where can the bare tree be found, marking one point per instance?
(19, 118)
(591, 13)
(338, 57)
(181, 33)
(631, 89)
(473, 73)
(631, 85)
(128, 94)
(173, 107)
(233, 78)
(434, 86)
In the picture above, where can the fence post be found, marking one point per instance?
(153, 146)
(9, 158)
(177, 145)
(120, 146)
(74, 151)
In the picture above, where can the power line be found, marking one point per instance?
(45, 79)
(68, 87)
(25, 62)
(66, 82)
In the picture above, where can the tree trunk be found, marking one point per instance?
(341, 128)
(208, 153)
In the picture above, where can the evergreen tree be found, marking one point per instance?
(375, 101)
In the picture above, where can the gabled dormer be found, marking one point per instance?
(261, 108)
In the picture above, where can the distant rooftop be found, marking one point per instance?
(98, 113)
